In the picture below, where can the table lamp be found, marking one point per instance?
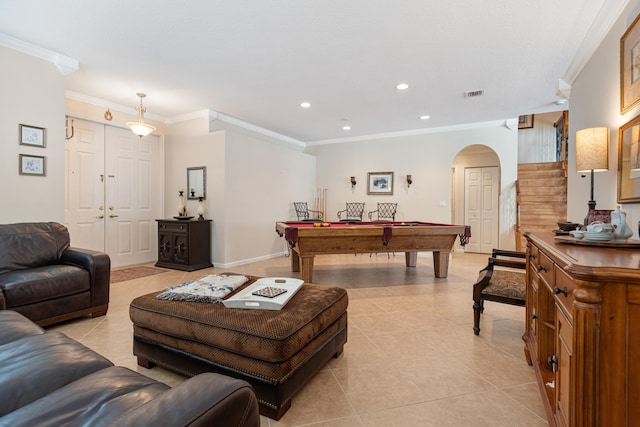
(592, 155)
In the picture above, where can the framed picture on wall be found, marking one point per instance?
(525, 122)
(630, 67)
(380, 183)
(32, 165)
(32, 135)
(629, 162)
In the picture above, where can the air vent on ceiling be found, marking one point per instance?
(474, 93)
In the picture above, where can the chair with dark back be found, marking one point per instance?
(302, 210)
(353, 212)
(385, 212)
(505, 284)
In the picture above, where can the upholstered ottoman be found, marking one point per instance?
(277, 352)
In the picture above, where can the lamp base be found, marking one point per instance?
(592, 205)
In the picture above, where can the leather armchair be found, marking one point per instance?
(45, 279)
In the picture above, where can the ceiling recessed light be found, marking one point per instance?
(346, 127)
(305, 104)
(402, 86)
(425, 117)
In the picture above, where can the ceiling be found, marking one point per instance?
(256, 61)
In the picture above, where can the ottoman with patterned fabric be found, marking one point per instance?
(277, 352)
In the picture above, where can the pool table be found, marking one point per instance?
(308, 239)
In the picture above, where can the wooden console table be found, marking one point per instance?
(583, 331)
(184, 245)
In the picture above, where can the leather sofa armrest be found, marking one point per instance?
(3, 301)
(206, 399)
(98, 264)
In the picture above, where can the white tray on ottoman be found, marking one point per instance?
(246, 298)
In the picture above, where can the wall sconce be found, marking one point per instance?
(592, 155)
(409, 180)
(353, 181)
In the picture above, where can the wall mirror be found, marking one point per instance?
(196, 183)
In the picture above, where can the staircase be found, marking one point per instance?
(541, 198)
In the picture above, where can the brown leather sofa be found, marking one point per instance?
(45, 279)
(48, 379)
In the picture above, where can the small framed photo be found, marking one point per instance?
(380, 183)
(630, 67)
(32, 165)
(525, 122)
(31, 135)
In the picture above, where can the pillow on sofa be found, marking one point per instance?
(28, 245)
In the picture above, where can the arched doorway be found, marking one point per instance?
(475, 194)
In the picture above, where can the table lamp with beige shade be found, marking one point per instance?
(592, 155)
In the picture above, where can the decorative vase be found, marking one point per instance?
(619, 222)
(200, 209)
(182, 210)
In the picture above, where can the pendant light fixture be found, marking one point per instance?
(140, 128)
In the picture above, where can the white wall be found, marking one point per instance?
(538, 144)
(252, 181)
(429, 159)
(32, 93)
(595, 101)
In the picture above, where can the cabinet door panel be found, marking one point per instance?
(563, 374)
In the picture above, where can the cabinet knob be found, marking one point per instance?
(564, 291)
(542, 267)
(532, 256)
(534, 316)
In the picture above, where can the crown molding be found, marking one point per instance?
(98, 102)
(600, 27)
(453, 128)
(65, 64)
(202, 114)
(215, 115)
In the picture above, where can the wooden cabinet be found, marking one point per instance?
(184, 245)
(583, 331)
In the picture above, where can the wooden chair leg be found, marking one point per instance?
(476, 317)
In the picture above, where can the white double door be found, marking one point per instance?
(481, 207)
(113, 191)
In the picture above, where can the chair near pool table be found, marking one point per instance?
(353, 212)
(302, 210)
(505, 285)
(385, 212)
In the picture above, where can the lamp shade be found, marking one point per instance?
(592, 149)
(141, 129)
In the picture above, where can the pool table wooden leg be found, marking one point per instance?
(440, 263)
(307, 268)
(295, 261)
(303, 264)
(410, 258)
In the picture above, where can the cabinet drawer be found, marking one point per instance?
(563, 290)
(546, 270)
(173, 227)
(533, 255)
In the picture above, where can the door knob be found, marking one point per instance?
(100, 216)
(113, 216)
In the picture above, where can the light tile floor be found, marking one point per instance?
(411, 358)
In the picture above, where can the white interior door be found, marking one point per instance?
(84, 204)
(481, 195)
(114, 192)
(133, 196)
